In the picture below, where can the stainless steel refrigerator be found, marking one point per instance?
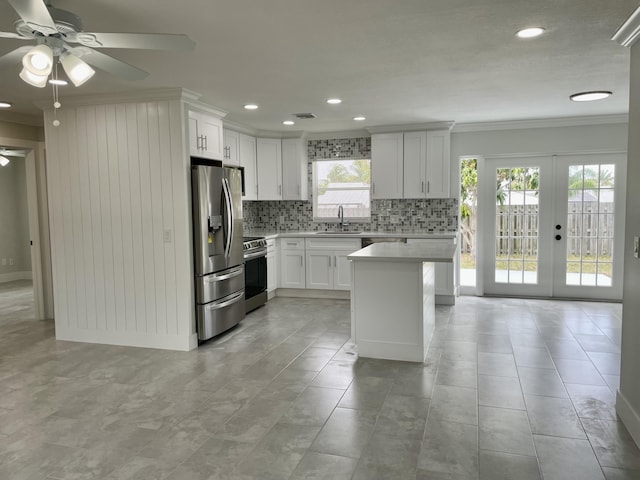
(217, 242)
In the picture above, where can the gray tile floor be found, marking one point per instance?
(511, 389)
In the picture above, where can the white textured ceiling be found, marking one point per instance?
(394, 61)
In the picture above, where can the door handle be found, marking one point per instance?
(229, 211)
(558, 237)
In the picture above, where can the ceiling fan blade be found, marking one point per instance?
(13, 35)
(35, 15)
(109, 64)
(149, 41)
(14, 57)
(12, 153)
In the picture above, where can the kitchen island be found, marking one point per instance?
(392, 299)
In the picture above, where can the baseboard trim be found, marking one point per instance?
(629, 416)
(313, 293)
(12, 276)
(129, 339)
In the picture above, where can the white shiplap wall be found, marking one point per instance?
(118, 179)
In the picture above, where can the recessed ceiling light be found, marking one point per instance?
(590, 96)
(5, 105)
(530, 32)
(334, 101)
(288, 122)
(251, 106)
(58, 81)
(359, 118)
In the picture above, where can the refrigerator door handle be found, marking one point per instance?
(229, 216)
(227, 275)
(217, 305)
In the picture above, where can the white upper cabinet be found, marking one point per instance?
(269, 162)
(247, 159)
(294, 170)
(415, 164)
(411, 164)
(231, 150)
(387, 165)
(205, 136)
(438, 172)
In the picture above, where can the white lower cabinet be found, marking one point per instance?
(445, 288)
(327, 264)
(272, 266)
(292, 263)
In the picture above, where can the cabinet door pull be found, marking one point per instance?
(329, 258)
(206, 144)
(428, 187)
(422, 187)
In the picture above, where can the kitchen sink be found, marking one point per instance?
(337, 233)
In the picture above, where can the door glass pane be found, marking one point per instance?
(517, 225)
(590, 225)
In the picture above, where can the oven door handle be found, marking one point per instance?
(219, 277)
(251, 256)
(216, 306)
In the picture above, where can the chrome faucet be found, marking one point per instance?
(341, 217)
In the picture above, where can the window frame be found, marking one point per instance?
(314, 193)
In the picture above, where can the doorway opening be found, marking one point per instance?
(468, 224)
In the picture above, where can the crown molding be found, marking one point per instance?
(412, 127)
(191, 98)
(628, 33)
(542, 123)
(338, 135)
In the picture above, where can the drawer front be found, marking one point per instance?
(220, 284)
(215, 317)
(351, 244)
(292, 243)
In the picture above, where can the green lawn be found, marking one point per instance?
(589, 264)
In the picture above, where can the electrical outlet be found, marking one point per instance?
(4, 261)
(11, 261)
(167, 236)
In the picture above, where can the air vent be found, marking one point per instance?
(304, 116)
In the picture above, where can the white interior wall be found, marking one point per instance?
(14, 222)
(118, 178)
(552, 140)
(628, 402)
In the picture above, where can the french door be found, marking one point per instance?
(553, 226)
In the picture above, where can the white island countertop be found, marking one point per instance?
(403, 252)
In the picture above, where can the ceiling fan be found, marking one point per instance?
(59, 33)
(4, 153)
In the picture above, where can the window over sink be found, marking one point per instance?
(341, 182)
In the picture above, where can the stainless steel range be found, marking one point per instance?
(255, 272)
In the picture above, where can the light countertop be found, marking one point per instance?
(402, 252)
(337, 234)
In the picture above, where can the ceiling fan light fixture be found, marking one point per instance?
(39, 81)
(4, 161)
(58, 81)
(77, 70)
(590, 96)
(38, 60)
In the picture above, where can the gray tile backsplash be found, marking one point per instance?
(393, 216)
